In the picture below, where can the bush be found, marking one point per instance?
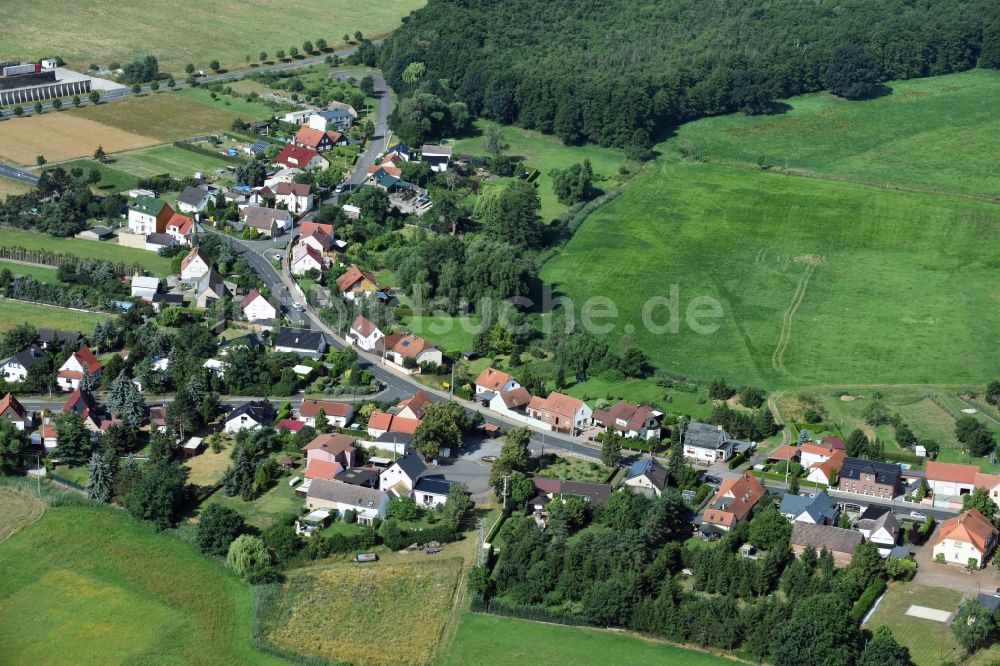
(901, 568)
(867, 598)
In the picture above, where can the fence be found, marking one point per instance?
(47, 258)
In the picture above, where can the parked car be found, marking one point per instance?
(918, 515)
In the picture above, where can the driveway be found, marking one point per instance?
(953, 576)
(468, 467)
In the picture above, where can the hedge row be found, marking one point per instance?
(867, 598)
(190, 147)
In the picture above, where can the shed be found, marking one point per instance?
(193, 446)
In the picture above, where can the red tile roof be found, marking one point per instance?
(308, 227)
(379, 420)
(10, 402)
(560, 405)
(352, 276)
(317, 468)
(970, 527)
(291, 425)
(941, 471)
(417, 403)
(298, 189)
(333, 443)
(192, 255)
(363, 326)
(516, 398)
(310, 408)
(743, 493)
(295, 156)
(492, 379)
(250, 298)
(783, 453)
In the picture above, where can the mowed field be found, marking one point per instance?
(40, 273)
(86, 584)
(13, 313)
(9, 186)
(186, 31)
(940, 133)
(819, 281)
(106, 250)
(165, 159)
(324, 610)
(65, 135)
(19, 509)
(489, 640)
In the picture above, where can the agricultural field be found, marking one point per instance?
(112, 180)
(545, 153)
(67, 135)
(13, 313)
(166, 159)
(490, 640)
(9, 186)
(405, 602)
(228, 33)
(117, 582)
(164, 116)
(19, 509)
(40, 273)
(790, 261)
(100, 250)
(937, 133)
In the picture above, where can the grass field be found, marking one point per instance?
(576, 469)
(126, 594)
(449, 334)
(165, 116)
(246, 110)
(13, 313)
(207, 467)
(19, 509)
(489, 640)
(326, 611)
(68, 134)
(188, 31)
(545, 153)
(166, 159)
(40, 273)
(112, 180)
(263, 511)
(8, 186)
(939, 133)
(110, 251)
(929, 642)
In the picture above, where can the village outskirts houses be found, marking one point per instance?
(630, 421)
(560, 412)
(367, 503)
(194, 265)
(492, 381)
(180, 228)
(840, 543)
(731, 504)
(316, 137)
(355, 282)
(147, 215)
(408, 352)
(256, 308)
(15, 369)
(646, 477)
(436, 156)
(305, 258)
(706, 443)
(299, 157)
(966, 539)
(301, 341)
(364, 334)
(338, 414)
(269, 222)
(144, 287)
(193, 200)
(249, 416)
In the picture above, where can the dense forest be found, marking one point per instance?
(619, 73)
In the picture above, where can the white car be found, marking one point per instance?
(918, 515)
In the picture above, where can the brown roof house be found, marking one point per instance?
(492, 381)
(560, 412)
(338, 414)
(733, 502)
(839, 542)
(628, 420)
(355, 282)
(408, 351)
(364, 333)
(335, 447)
(268, 222)
(966, 539)
(13, 411)
(513, 403)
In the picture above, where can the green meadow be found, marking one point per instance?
(818, 280)
(106, 250)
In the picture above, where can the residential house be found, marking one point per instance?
(402, 150)
(160, 301)
(560, 412)
(147, 215)
(318, 240)
(732, 503)
(437, 156)
(144, 287)
(268, 222)
(308, 227)
(90, 412)
(783, 454)
(408, 351)
(71, 372)
(291, 425)
(628, 420)
(414, 406)
(339, 117)
(966, 537)
(318, 468)
(298, 157)
(195, 265)
(257, 308)
(297, 197)
(56, 340)
(868, 477)
(834, 443)
(193, 200)
(384, 423)
(255, 148)
(156, 241)
(367, 503)
(356, 282)
(46, 436)
(950, 480)
(647, 477)
(96, 234)
(707, 443)
(13, 411)
(492, 381)
(364, 333)
(305, 258)
(360, 476)
(280, 176)
(211, 287)
(301, 341)
(401, 477)
(320, 140)
(513, 403)
(180, 229)
(384, 180)
(338, 414)
(15, 369)
(298, 116)
(821, 462)
(431, 491)
(818, 508)
(840, 543)
(249, 416)
(552, 489)
(878, 524)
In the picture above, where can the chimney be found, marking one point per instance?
(719, 428)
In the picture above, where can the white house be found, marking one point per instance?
(368, 503)
(71, 372)
(491, 381)
(646, 477)
(878, 524)
(193, 200)
(628, 420)
(249, 416)
(180, 228)
(401, 477)
(338, 414)
(298, 117)
(301, 341)
(281, 176)
(144, 287)
(397, 348)
(15, 369)
(296, 197)
(364, 333)
(431, 491)
(966, 537)
(950, 479)
(305, 258)
(257, 308)
(706, 443)
(437, 156)
(512, 403)
(267, 221)
(195, 265)
(147, 215)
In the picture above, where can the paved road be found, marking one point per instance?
(379, 140)
(14, 173)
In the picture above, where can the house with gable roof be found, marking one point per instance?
(180, 228)
(15, 369)
(966, 537)
(12, 410)
(341, 497)
(733, 503)
(195, 265)
(492, 381)
(249, 416)
(402, 475)
(211, 287)
(415, 406)
(257, 308)
(355, 282)
(513, 403)
(193, 199)
(305, 258)
(869, 477)
(707, 443)
(268, 221)
(879, 525)
(318, 139)
(437, 156)
(318, 240)
(840, 543)
(338, 414)
(148, 215)
(364, 333)
(646, 477)
(71, 372)
(817, 508)
(89, 410)
(628, 420)
(821, 462)
(299, 157)
(560, 412)
(403, 349)
(297, 197)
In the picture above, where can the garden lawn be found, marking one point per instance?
(544, 152)
(489, 640)
(929, 642)
(817, 281)
(187, 31)
(207, 467)
(112, 179)
(126, 594)
(40, 273)
(262, 512)
(9, 186)
(19, 509)
(165, 116)
(447, 333)
(13, 313)
(166, 159)
(939, 133)
(575, 469)
(100, 250)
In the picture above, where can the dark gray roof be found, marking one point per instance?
(345, 493)
(160, 239)
(45, 335)
(436, 484)
(192, 196)
(359, 476)
(887, 473)
(168, 298)
(834, 539)
(27, 357)
(705, 436)
(874, 512)
(819, 507)
(212, 280)
(411, 464)
(258, 410)
(299, 338)
(392, 437)
(595, 493)
(651, 469)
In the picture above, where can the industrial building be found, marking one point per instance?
(22, 83)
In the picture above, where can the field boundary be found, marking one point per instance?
(35, 508)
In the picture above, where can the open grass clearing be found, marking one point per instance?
(544, 152)
(938, 133)
(447, 333)
(228, 103)
(489, 640)
(575, 469)
(19, 509)
(929, 641)
(67, 135)
(127, 594)
(188, 31)
(9, 186)
(40, 273)
(100, 250)
(207, 467)
(13, 313)
(166, 159)
(165, 116)
(322, 610)
(112, 179)
(280, 500)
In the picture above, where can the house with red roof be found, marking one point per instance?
(966, 538)
(335, 447)
(414, 406)
(628, 420)
(90, 412)
(299, 157)
(513, 403)
(408, 351)
(257, 308)
(950, 479)
(71, 372)
(12, 410)
(317, 139)
(297, 197)
(733, 503)
(305, 258)
(379, 423)
(338, 414)
(355, 282)
(318, 240)
(560, 412)
(364, 333)
(308, 227)
(180, 227)
(492, 381)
